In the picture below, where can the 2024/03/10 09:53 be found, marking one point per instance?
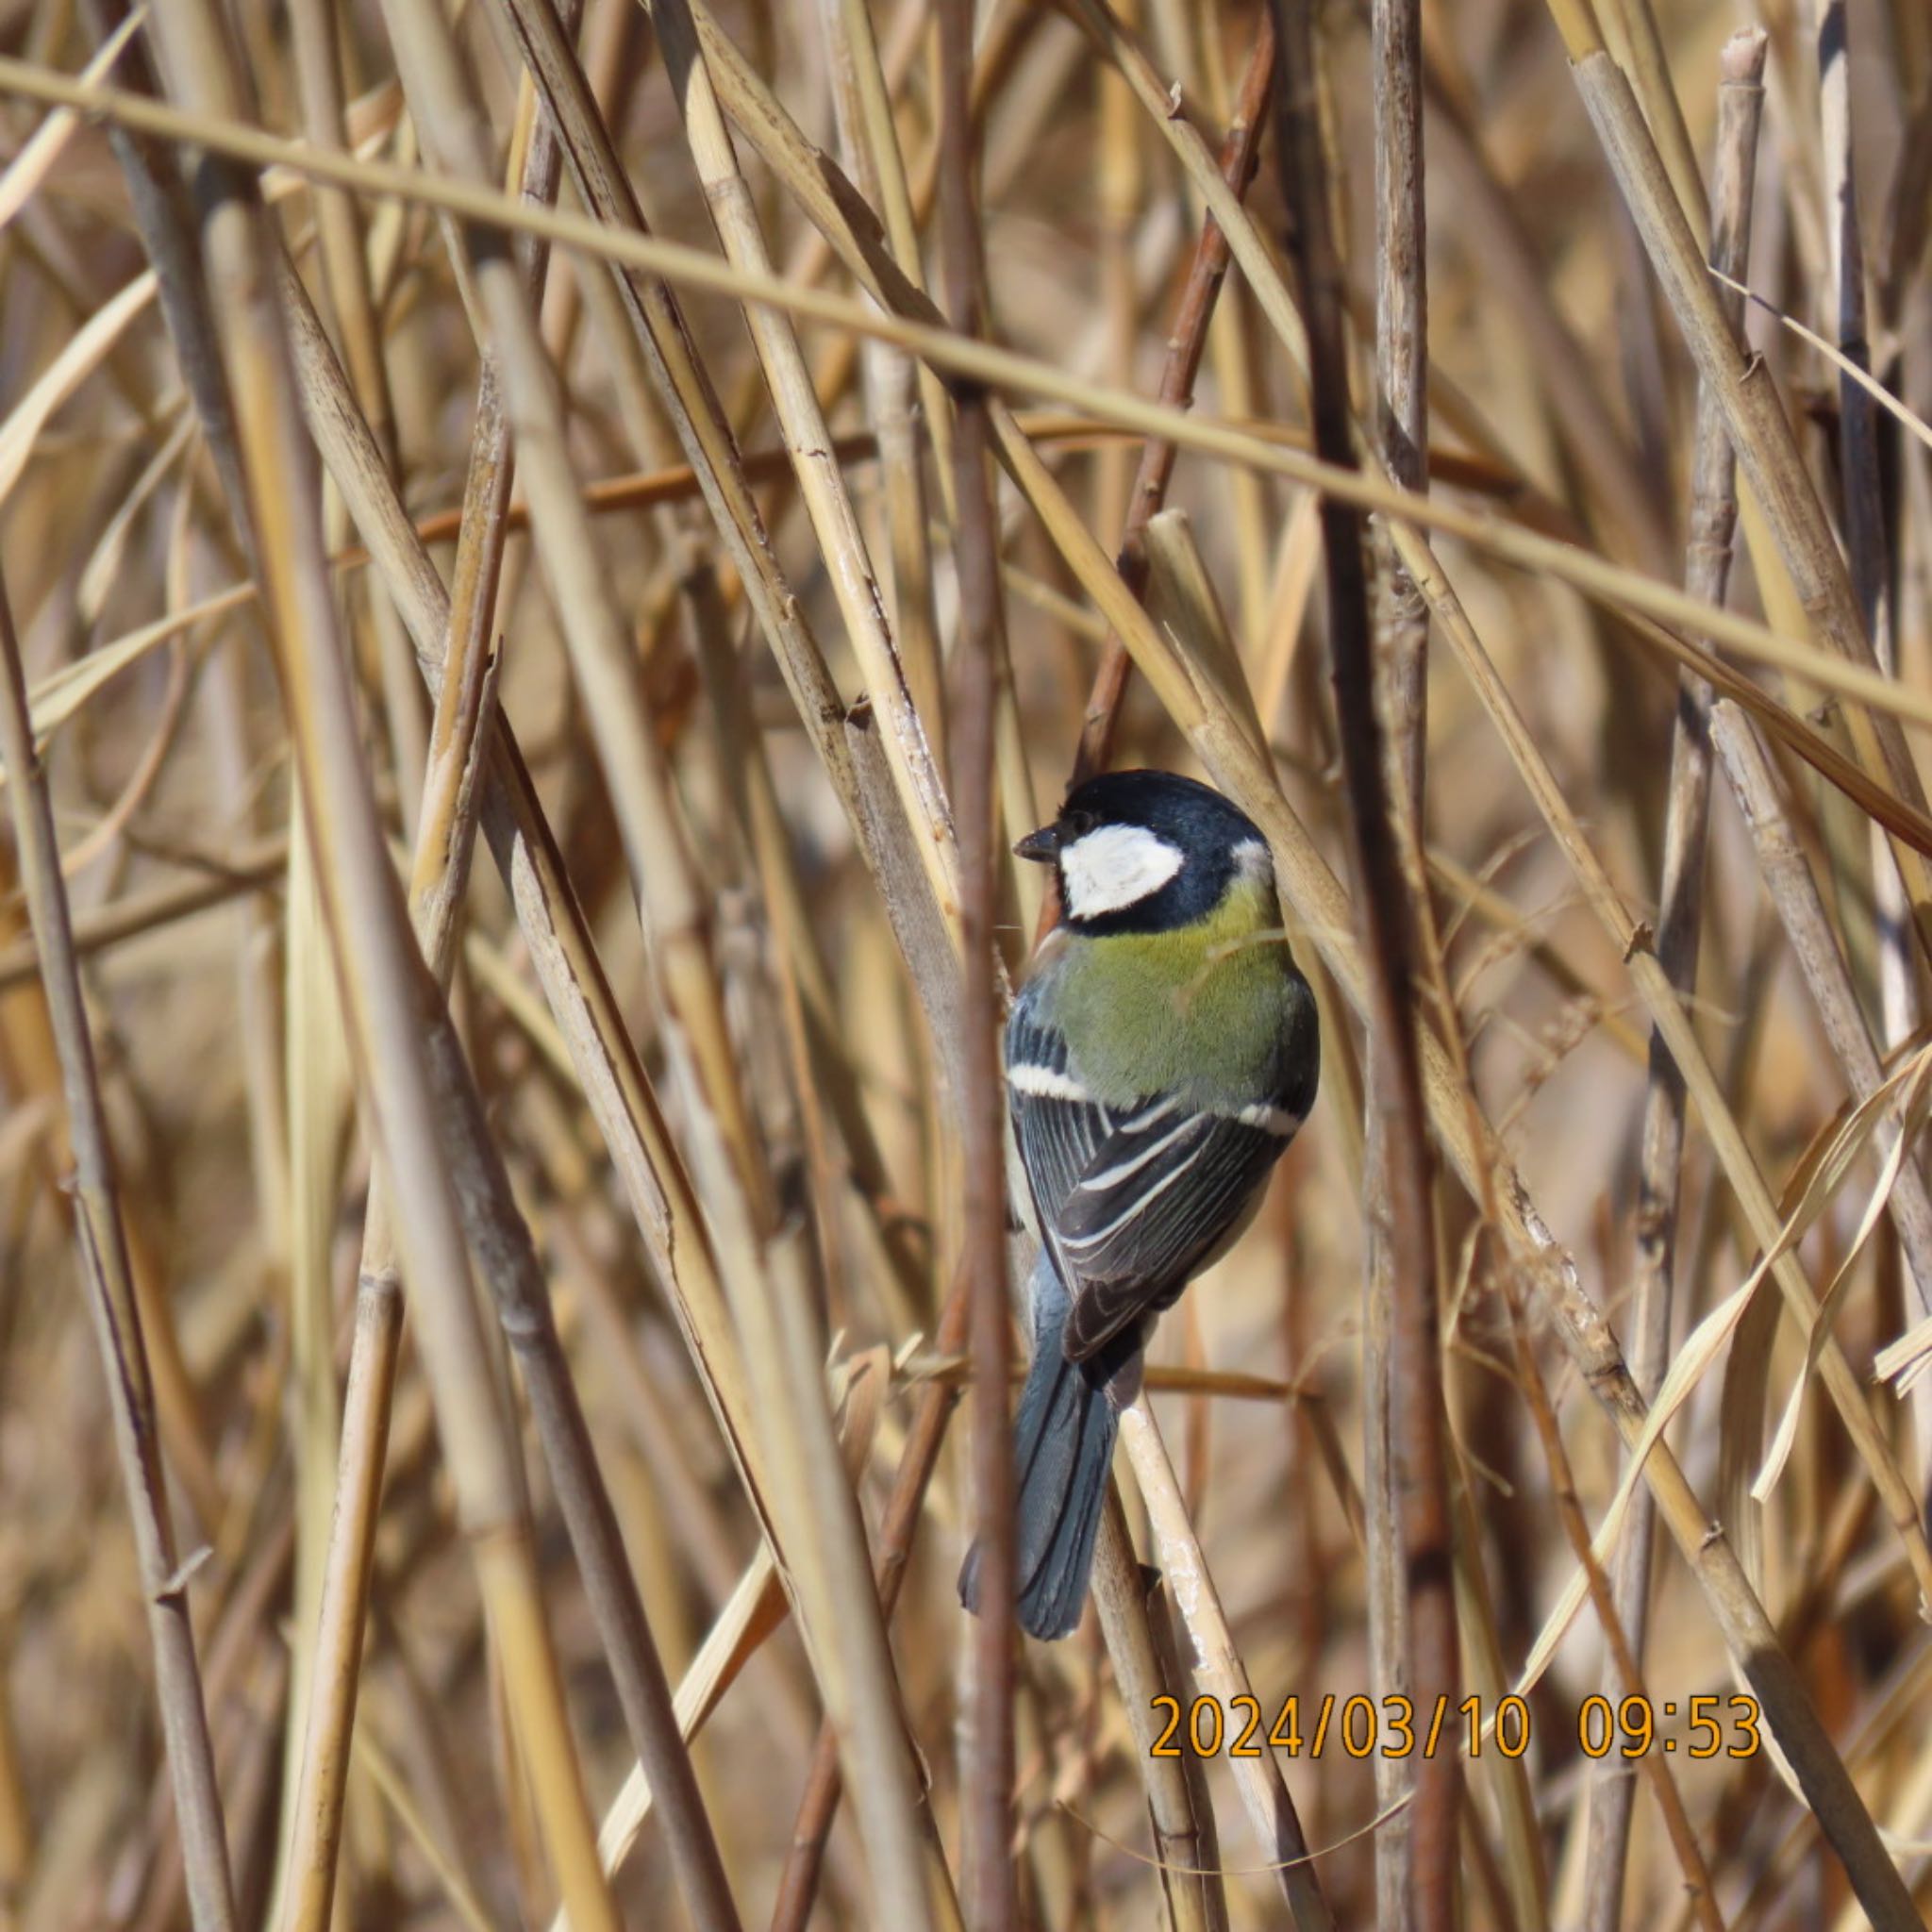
(1392, 1727)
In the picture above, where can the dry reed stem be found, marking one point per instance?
(1185, 1839)
(798, 1884)
(1767, 452)
(838, 1605)
(1216, 1666)
(820, 484)
(102, 1242)
(447, 822)
(1861, 485)
(382, 980)
(1401, 426)
(979, 648)
(1627, 1678)
(869, 140)
(562, 953)
(1681, 910)
(1377, 723)
(1187, 342)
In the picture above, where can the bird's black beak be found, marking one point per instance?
(1043, 845)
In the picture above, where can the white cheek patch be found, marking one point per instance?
(1114, 867)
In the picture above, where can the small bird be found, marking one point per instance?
(1160, 1057)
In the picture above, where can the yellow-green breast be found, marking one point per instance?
(1215, 1011)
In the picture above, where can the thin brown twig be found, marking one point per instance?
(980, 646)
(253, 870)
(102, 1242)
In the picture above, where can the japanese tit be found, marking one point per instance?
(1160, 1057)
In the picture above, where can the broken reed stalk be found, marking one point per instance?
(349, 302)
(1400, 1180)
(385, 990)
(991, 1894)
(100, 1242)
(1187, 343)
(1400, 418)
(1713, 513)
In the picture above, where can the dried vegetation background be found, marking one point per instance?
(365, 1516)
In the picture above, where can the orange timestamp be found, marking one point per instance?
(1361, 1726)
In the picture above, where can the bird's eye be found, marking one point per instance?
(1077, 824)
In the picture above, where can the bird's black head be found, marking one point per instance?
(1145, 852)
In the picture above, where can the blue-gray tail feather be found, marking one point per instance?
(1062, 1452)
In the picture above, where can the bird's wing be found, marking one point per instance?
(1154, 1202)
(1059, 1126)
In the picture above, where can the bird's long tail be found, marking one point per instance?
(1062, 1451)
